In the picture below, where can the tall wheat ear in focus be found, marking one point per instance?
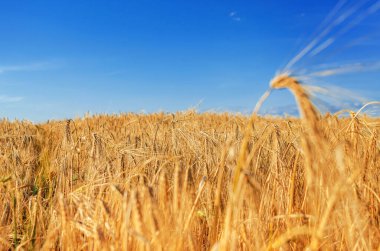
(329, 170)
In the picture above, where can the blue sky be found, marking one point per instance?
(61, 59)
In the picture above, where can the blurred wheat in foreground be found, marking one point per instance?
(190, 181)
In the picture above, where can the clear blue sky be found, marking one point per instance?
(61, 59)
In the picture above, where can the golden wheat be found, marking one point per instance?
(170, 182)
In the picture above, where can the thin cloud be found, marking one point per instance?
(10, 99)
(234, 16)
(282, 111)
(26, 67)
(350, 68)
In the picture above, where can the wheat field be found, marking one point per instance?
(189, 181)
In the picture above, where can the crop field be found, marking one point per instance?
(189, 181)
(82, 169)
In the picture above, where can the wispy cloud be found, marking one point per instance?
(350, 68)
(283, 111)
(25, 67)
(234, 16)
(10, 99)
